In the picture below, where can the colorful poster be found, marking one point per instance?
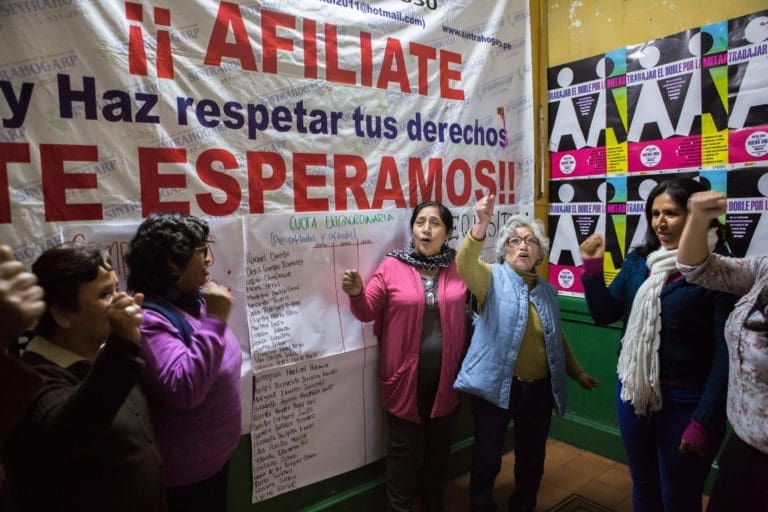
(305, 132)
(747, 216)
(576, 210)
(714, 179)
(615, 231)
(714, 94)
(577, 115)
(748, 89)
(691, 104)
(616, 111)
(664, 102)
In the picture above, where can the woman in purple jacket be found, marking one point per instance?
(192, 374)
(418, 303)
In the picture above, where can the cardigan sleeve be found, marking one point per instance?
(572, 366)
(730, 275)
(18, 385)
(605, 303)
(474, 272)
(70, 417)
(367, 306)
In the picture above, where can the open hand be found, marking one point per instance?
(587, 381)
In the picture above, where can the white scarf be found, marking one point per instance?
(639, 358)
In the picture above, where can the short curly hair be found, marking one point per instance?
(511, 227)
(161, 240)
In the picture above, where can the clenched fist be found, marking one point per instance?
(592, 247)
(707, 204)
(352, 283)
(21, 299)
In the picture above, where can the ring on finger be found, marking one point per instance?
(131, 310)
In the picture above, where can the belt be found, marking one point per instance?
(530, 381)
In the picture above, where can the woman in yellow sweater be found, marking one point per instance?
(518, 359)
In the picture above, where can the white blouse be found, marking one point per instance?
(748, 349)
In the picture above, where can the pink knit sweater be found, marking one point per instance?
(394, 298)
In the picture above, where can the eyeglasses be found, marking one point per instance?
(205, 248)
(529, 240)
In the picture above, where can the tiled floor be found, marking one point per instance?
(567, 470)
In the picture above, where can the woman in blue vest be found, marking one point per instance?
(518, 359)
(673, 362)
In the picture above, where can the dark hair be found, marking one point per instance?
(161, 240)
(445, 214)
(761, 305)
(679, 189)
(61, 271)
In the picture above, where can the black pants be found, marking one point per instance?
(742, 480)
(530, 408)
(417, 462)
(210, 495)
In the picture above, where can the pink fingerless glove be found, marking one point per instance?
(592, 266)
(696, 435)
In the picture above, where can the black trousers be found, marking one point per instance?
(209, 495)
(742, 479)
(417, 462)
(530, 408)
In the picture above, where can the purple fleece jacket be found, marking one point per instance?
(194, 393)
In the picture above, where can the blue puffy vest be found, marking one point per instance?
(488, 367)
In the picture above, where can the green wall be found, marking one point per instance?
(590, 422)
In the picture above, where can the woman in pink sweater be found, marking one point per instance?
(418, 303)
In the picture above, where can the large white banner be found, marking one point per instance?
(304, 131)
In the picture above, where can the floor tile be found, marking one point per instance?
(602, 494)
(567, 470)
(617, 476)
(589, 464)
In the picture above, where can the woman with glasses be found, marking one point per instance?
(192, 377)
(518, 359)
(673, 361)
(418, 303)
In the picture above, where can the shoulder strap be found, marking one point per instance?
(165, 308)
